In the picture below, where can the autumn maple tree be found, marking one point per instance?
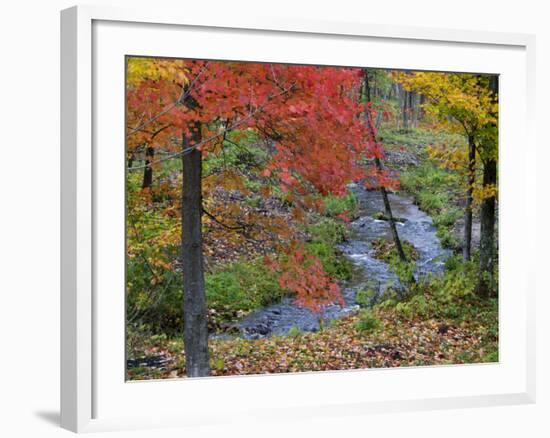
(311, 122)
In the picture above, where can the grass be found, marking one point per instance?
(337, 206)
(326, 231)
(392, 137)
(235, 290)
(232, 291)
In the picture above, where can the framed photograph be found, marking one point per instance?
(303, 218)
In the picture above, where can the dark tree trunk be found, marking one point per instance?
(405, 109)
(148, 170)
(414, 109)
(383, 190)
(398, 91)
(486, 244)
(195, 322)
(488, 217)
(468, 214)
(131, 159)
(391, 220)
(367, 86)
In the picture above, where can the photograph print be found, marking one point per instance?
(286, 218)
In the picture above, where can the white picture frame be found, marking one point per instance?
(92, 392)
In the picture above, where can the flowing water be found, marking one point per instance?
(413, 226)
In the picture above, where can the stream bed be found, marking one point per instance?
(414, 226)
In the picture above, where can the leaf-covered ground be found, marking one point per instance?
(395, 342)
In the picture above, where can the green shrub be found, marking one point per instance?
(367, 321)
(447, 238)
(449, 296)
(153, 287)
(294, 332)
(364, 297)
(217, 364)
(403, 269)
(231, 292)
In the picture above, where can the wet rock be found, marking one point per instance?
(156, 361)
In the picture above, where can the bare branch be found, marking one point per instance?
(215, 136)
(229, 227)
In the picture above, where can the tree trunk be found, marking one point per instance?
(468, 214)
(391, 219)
(367, 86)
(148, 170)
(195, 322)
(414, 109)
(486, 244)
(398, 93)
(405, 109)
(488, 217)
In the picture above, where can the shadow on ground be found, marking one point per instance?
(51, 417)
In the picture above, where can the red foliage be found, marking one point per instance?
(303, 274)
(312, 116)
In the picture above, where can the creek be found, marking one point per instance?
(413, 225)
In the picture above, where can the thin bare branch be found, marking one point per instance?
(218, 221)
(215, 136)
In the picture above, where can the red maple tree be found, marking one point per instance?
(313, 121)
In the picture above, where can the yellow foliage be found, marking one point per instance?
(450, 157)
(484, 192)
(464, 97)
(154, 69)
